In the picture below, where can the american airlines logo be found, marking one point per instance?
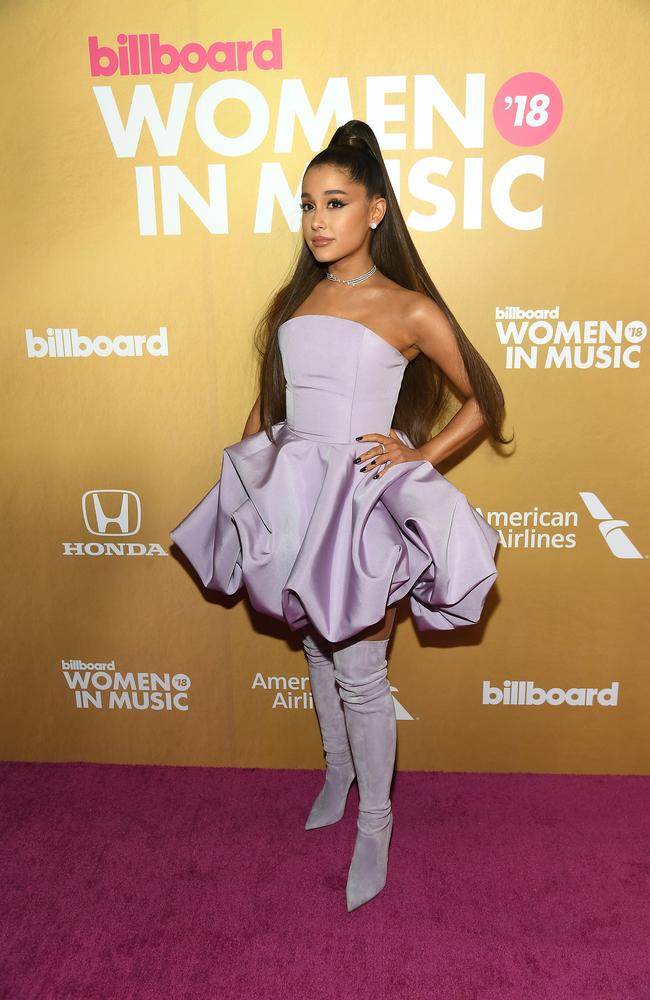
(112, 514)
(545, 528)
(400, 712)
(611, 528)
(294, 692)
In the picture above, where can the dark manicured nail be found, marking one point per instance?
(359, 438)
(373, 461)
(356, 461)
(376, 475)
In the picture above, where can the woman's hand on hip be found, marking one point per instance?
(396, 452)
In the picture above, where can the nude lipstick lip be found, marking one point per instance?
(320, 241)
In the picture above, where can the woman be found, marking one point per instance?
(330, 508)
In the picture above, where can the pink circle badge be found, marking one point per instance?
(527, 109)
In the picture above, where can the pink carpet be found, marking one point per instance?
(123, 881)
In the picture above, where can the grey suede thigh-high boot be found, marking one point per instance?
(361, 670)
(339, 772)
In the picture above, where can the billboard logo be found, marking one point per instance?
(66, 342)
(100, 685)
(145, 55)
(526, 693)
(539, 338)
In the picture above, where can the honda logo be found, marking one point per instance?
(111, 512)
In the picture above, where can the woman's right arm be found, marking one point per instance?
(253, 423)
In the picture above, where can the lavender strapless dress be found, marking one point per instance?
(314, 540)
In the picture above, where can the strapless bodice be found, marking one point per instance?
(342, 379)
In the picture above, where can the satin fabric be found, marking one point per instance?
(317, 542)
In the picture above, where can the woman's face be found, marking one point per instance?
(336, 213)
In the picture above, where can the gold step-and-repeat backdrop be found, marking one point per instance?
(150, 182)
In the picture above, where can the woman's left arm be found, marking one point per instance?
(433, 335)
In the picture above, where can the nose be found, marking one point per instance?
(316, 221)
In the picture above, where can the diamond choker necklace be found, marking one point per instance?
(352, 281)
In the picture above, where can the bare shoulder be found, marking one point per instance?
(412, 309)
(411, 316)
(420, 311)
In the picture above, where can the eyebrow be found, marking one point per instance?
(306, 194)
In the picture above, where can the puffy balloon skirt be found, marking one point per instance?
(316, 542)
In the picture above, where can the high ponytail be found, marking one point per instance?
(424, 393)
